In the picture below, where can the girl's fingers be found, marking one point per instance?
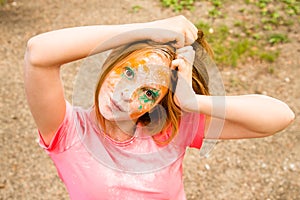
(194, 30)
(187, 53)
(182, 32)
(177, 63)
(191, 35)
(180, 41)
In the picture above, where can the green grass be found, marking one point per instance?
(2, 2)
(178, 5)
(136, 8)
(277, 38)
(230, 50)
(233, 45)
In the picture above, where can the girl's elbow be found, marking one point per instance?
(279, 124)
(32, 54)
(290, 117)
(285, 116)
(286, 120)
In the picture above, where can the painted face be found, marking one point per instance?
(134, 86)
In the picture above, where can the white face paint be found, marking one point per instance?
(135, 85)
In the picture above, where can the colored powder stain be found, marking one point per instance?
(140, 107)
(135, 62)
(119, 70)
(148, 54)
(145, 99)
(156, 93)
(146, 69)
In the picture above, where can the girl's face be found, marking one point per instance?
(134, 86)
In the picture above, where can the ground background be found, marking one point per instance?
(266, 168)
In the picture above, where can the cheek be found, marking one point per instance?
(110, 84)
(139, 105)
(112, 80)
(136, 106)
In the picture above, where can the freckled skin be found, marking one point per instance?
(144, 76)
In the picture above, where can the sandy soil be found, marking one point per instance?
(267, 168)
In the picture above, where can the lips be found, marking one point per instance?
(115, 105)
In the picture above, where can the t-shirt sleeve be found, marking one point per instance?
(199, 135)
(191, 131)
(65, 135)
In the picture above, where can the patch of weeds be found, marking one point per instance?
(230, 51)
(238, 24)
(223, 32)
(247, 1)
(203, 26)
(256, 36)
(267, 27)
(273, 15)
(269, 56)
(277, 38)
(251, 40)
(271, 69)
(227, 50)
(238, 50)
(2, 2)
(262, 3)
(292, 7)
(136, 8)
(178, 5)
(216, 3)
(216, 10)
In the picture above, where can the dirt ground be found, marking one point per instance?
(267, 168)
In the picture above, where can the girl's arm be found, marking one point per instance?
(245, 116)
(46, 52)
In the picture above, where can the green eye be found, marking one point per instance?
(149, 95)
(128, 73)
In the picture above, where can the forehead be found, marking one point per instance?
(147, 56)
(149, 67)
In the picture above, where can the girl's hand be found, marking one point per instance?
(184, 94)
(177, 30)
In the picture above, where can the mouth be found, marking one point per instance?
(115, 105)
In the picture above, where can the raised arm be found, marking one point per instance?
(46, 52)
(244, 116)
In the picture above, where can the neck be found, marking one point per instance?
(120, 131)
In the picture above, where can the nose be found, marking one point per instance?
(125, 95)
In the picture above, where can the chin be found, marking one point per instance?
(117, 117)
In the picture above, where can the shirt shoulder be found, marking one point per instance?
(192, 126)
(69, 131)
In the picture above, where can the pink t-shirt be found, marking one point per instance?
(94, 167)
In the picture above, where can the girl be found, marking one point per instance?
(150, 103)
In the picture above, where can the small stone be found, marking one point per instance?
(292, 167)
(287, 79)
(211, 30)
(207, 167)
(284, 168)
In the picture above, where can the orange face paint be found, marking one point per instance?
(136, 84)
